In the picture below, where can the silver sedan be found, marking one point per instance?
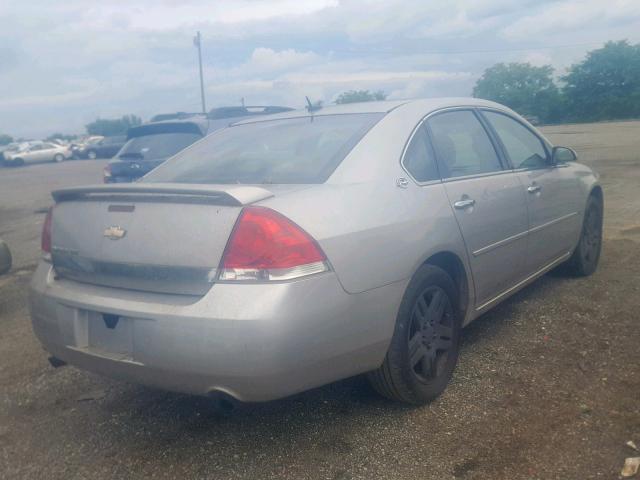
(286, 252)
(36, 152)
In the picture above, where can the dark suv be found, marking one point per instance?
(103, 148)
(151, 144)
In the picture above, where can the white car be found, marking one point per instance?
(36, 153)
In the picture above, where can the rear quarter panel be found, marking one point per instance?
(373, 232)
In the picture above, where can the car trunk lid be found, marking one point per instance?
(166, 238)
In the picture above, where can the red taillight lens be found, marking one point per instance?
(265, 245)
(46, 232)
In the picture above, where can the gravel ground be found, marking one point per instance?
(548, 385)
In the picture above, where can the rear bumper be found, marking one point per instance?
(254, 342)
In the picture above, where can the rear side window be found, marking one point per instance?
(462, 145)
(418, 158)
(525, 150)
(293, 150)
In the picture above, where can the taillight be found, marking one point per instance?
(106, 173)
(267, 246)
(46, 232)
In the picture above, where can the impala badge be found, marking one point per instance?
(114, 232)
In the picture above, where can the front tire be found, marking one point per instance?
(586, 256)
(58, 158)
(92, 155)
(424, 349)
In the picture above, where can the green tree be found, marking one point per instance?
(110, 127)
(5, 139)
(526, 89)
(354, 96)
(606, 85)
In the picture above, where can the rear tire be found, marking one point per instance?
(586, 256)
(424, 349)
(58, 158)
(92, 155)
(5, 258)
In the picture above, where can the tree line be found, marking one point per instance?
(604, 86)
(106, 127)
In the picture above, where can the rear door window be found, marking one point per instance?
(462, 145)
(292, 150)
(418, 158)
(524, 148)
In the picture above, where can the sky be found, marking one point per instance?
(63, 63)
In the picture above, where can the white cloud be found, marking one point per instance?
(64, 63)
(141, 15)
(265, 60)
(562, 18)
(537, 59)
(56, 100)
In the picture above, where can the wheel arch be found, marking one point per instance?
(453, 265)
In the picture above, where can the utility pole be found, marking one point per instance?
(197, 42)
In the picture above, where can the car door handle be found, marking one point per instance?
(534, 188)
(462, 204)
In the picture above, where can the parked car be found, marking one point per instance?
(105, 147)
(287, 252)
(152, 144)
(3, 148)
(36, 152)
(78, 146)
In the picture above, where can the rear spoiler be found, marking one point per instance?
(233, 195)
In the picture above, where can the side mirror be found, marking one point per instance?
(560, 155)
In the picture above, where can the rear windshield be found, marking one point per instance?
(294, 150)
(160, 145)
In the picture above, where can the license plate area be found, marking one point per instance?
(110, 335)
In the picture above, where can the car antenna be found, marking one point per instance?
(311, 107)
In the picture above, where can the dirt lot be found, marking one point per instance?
(548, 385)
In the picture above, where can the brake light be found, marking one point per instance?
(46, 232)
(265, 246)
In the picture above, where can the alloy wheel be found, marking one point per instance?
(591, 236)
(430, 334)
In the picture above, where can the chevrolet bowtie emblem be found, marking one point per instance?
(114, 232)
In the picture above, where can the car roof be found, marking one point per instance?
(199, 119)
(200, 123)
(385, 106)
